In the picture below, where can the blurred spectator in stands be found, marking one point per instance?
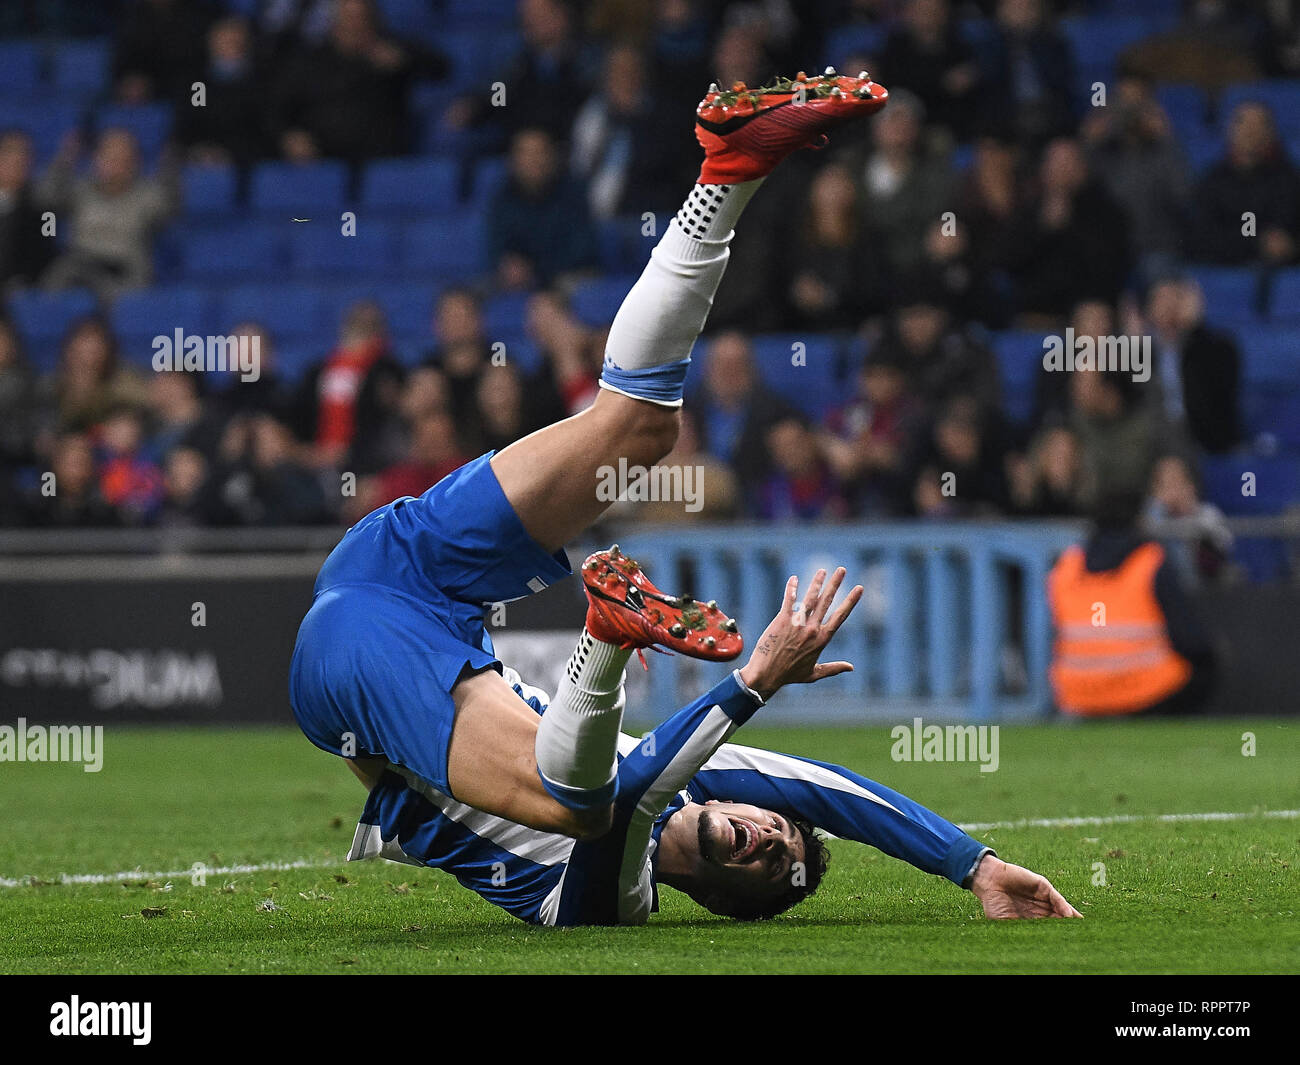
(89, 382)
(1150, 653)
(231, 127)
(734, 409)
(1028, 76)
(800, 485)
(926, 53)
(348, 97)
(573, 356)
(271, 393)
(24, 250)
(870, 439)
(961, 468)
(538, 226)
(619, 140)
(739, 55)
(347, 404)
(988, 205)
(76, 501)
(546, 83)
(1174, 497)
(1072, 241)
(832, 275)
(159, 50)
(188, 497)
(950, 270)
(906, 186)
(129, 480)
(1254, 175)
(1047, 481)
(942, 358)
(502, 416)
(1120, 436)
(715, 495)
(112, 214)
(1196, 381)
(179, 417)
(1090, 320)
(433, 452)
(1131, 147)
(287, 26)
(17, 422)
(284, 491)
(460, 349)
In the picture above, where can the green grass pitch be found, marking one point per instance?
(1178, 896)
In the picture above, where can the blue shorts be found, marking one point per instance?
(397, 619)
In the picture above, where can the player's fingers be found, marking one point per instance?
(814, 592)
(822, 670)
(844, 609)
(791, 588)
(828, 596)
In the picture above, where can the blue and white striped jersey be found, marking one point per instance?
(546, 878)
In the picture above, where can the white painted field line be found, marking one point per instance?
(1125, 819)
(978, 826)
(138, 874)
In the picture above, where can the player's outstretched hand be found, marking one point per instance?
(787, 651)
(1007, 891)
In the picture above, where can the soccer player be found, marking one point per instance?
(731, 826)
(393, 661)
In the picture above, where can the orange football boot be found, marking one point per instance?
(624, 608)
(746, 132)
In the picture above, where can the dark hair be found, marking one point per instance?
(816, 857)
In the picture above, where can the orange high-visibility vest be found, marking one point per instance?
(1126, 664)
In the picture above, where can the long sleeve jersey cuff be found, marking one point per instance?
(735, 699)
(963, 859)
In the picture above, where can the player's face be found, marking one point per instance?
(746, 849)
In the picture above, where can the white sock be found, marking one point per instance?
(577, 740)
(663, 315)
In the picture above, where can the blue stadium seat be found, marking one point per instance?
(319, 248)
(596, 302)
(299, 191)
(813, 385)
(161, 310)
(1270, 354)
(81, 68)
(1203, 150)
(521, 353)
(209, 190)
(20, 66)
(623, 248)
(425, 185)
(410, 18)
(489, 175)
(1284, 303)
(235, 251)
(846, 42)
(1231, 294)
(287, 311)
(451, 247)
(1020, 361)
(1281, 95)
(292, 358)
(150, 123)
(1276, 482)
(1186, 107)
(1273, 412)
(43, 315)
(466, 13)
(504, 314)
(409, 307)
(1096, 42)
(46, 121)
